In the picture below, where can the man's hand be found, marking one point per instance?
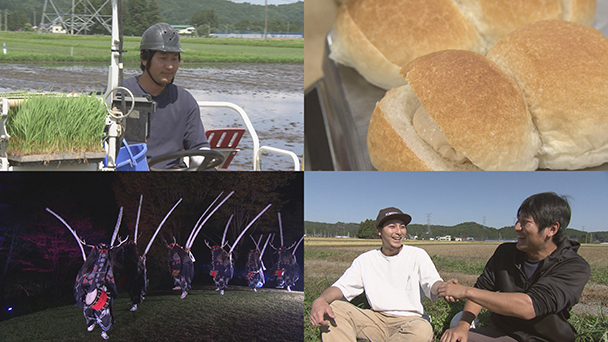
(444, 285)
(319, 309)
(459, 333)
(451, 291)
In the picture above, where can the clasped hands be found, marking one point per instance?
(451, 291)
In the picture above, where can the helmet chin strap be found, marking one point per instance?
(153, 80)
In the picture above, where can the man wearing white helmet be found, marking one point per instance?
(176, 124)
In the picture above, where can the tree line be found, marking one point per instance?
(206, 21)
(140, 14)
(367, 230)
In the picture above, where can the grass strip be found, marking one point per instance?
(204, 315)
(32, 47)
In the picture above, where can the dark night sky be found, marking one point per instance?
(93, 195)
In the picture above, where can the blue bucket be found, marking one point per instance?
(132, 157)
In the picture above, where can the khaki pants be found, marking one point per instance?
(352, 323)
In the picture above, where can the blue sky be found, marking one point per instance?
(452, 197)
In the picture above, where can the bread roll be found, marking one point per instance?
(562, 69)
(378, 37)
(494, 19)
(478, 108)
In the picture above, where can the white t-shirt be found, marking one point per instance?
(392, 284)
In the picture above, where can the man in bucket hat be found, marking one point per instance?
(392, 277)
(176, 124)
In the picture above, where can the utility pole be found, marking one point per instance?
(428, 225)
(6, 20)
(265, 18)
(72, 21)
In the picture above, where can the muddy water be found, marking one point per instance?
(271, 94)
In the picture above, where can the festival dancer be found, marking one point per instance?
(95, 289)
(136, 274)
(255, 265)
(222, 265)
(181, 267)
(222, 268)
(134, 264)
(286, 269)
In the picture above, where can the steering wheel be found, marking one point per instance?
(212, 159)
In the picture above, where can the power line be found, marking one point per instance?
(75, 22)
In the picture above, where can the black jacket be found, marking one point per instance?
(555, 288)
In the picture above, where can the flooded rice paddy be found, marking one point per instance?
(271, 94)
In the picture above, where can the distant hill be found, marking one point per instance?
(181, 11)
(176, 12)
(330, 229)
(464, 230)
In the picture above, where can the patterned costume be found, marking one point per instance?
(287, 271)
(134, 278)
(95, 290)
(181, 268)
(222, 268)
(255, 272)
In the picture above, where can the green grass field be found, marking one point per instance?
(204, 315)
(29, 47)
(325, 259)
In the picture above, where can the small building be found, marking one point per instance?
(184, 29)
(347, 236)
(57, 29)
(444, 238)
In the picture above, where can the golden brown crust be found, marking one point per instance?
(405, 29)
(478, 107)
(496, 18)
(562, 69)
(377, 37)
(351, 48)
(396, 32)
